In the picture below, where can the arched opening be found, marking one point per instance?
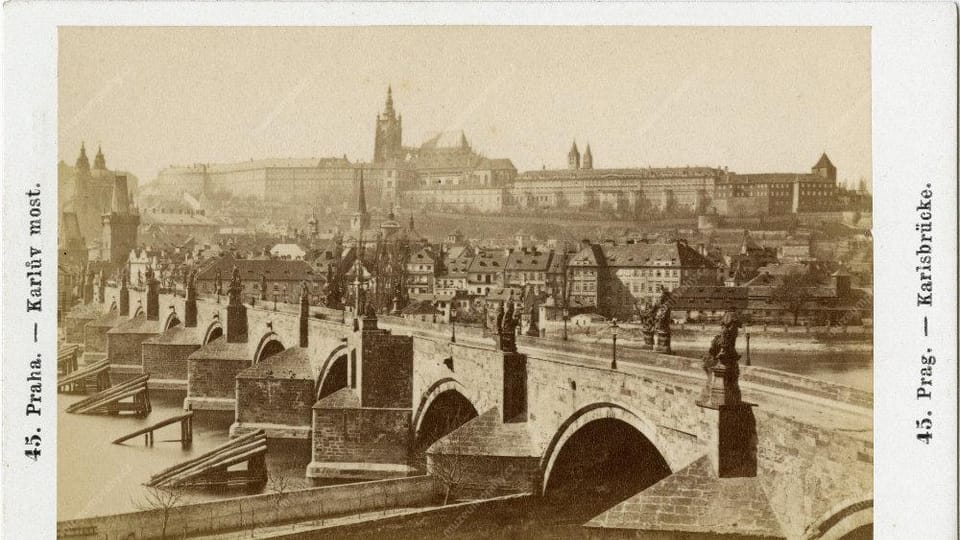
(267, 349)
(603, 462)
(863, 532)
(445, 411)
(333, 377)
(214, 332)
(172, 320)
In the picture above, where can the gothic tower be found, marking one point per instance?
(82, 170)
(573, 157)
(587, 158)
(361, 219)
(387, 141)
(99, 162)
(119, 225)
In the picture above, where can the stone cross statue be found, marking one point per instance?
(236, 288)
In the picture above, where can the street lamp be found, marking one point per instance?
(276, 295)
(453, 324)
(566, 317)
(614, 328)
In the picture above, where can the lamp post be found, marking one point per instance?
(453, 324)
(614, 328)
(276, 295)
(286, 299)
(566, 317)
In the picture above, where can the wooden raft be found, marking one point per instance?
(96, 375)
(67, 358)
(210, 468)
(186, 430)
(109, 401)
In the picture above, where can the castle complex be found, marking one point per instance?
(445, 172)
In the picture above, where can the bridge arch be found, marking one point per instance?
(333, 372)
(850, 519)
(268, 346)
(443, 408)
(600, 424)
(172, 320)
(137, 311)
(214, 331)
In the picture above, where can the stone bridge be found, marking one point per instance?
(383, 397)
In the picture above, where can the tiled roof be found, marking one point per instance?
(344, 398)
(487, 435)
(178, 335)
(709, 297)
(221, 349)
(528, 260)
(292, 363)
(664, 172)
(488, 261)
(250, 269)
(694, 500)
(138, 325)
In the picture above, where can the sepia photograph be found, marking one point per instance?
(464, 282)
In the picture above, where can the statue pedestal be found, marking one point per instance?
(723, 386)
(663, 342)
(730, 432)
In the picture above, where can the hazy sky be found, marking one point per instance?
(753, 99)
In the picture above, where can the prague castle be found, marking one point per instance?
(446, 173)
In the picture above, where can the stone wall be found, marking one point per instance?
(386, 370)
(125, 348)
(806, 471)
(167, 360)
(95, 338)
(256, 510)
(275, 401)
(361, 435)
(214, 378)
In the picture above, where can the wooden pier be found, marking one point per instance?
(95, 377)
(186, 430)
(210, 468)
(109, 401)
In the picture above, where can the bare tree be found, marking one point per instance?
(162, 500)
(279, 486)
(793, 292)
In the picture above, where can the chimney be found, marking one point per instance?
(304, 316)
(190, 309)
(236, 311)
(153, 296)
(124, 294)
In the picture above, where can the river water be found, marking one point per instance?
(96, 477)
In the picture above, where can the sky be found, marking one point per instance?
(763, 99)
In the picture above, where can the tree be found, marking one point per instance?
(793, 291)
(162, 500)
(279, 486)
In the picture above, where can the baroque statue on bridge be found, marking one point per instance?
(721, 363)
(507, 322)
(236, 288)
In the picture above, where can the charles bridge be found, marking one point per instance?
(384, 397)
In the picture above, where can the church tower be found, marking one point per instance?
(361, 219)
(824, 168)
(387, 141)
(587, 158)
(573, 157)
(99, 162)
(119, 225)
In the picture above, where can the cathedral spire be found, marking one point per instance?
(388, 107)
(83, 164)
(573, 157)
(587, 158)
(99, 162)
(361, 219)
